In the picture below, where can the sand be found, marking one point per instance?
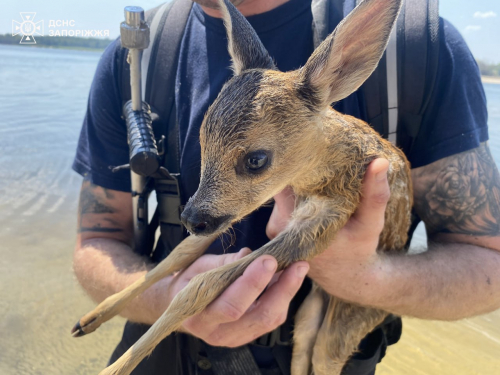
(491, 79)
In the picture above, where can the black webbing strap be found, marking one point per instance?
(160, 94)
(418, 56)
(160, 84)
(375, 95)
(374, 92)
(418, 62)
(327, 14)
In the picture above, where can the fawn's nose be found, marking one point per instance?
(200, 223)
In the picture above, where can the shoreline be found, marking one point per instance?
(491, 79)
(485, 79)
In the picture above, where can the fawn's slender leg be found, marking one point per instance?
(314, 223)
(307, 323)
(191, 300)
(344, 326)
(181, 257)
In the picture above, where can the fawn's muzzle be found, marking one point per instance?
(200, 223)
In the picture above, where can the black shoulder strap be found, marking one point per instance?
(159, 66)
(326, 15)
(402, 84)
(161, 75)
(418, 56)
(169, 22)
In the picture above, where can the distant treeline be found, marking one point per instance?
(75, 42)
(488, 69)
(60, 41)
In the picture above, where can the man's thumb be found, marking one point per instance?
(374, 197)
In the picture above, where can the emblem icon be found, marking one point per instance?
(28, 28)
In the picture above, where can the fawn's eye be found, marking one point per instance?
(256, 161)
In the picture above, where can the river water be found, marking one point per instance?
(42, 103)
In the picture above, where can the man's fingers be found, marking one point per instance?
(369, 215)
(240, 295)
(269, 312)
(279, 295)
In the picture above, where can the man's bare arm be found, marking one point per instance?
(458, 277)
(458, 198)
(104, 262)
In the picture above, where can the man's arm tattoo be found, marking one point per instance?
(461, 194)
(91, 203)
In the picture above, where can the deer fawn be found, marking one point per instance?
(268, 130)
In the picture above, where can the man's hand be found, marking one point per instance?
(454, 279)
(351, 260)
(105, 264)
(237, 317)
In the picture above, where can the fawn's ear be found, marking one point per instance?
(245, 47)
(348, 56)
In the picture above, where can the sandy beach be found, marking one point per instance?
(491, 79)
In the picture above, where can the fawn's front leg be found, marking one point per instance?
(181, 257)
(314, 223)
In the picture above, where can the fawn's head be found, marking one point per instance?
(264, 130)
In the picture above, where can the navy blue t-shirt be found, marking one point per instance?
(456, 118)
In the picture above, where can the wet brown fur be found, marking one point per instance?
(319, 152)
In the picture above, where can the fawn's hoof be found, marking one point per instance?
(80, 329)
(77, 330)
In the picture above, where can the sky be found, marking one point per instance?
(478, 20)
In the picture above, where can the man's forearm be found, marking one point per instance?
(106, 266)
(448, 282)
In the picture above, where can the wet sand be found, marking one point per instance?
(41, 299)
